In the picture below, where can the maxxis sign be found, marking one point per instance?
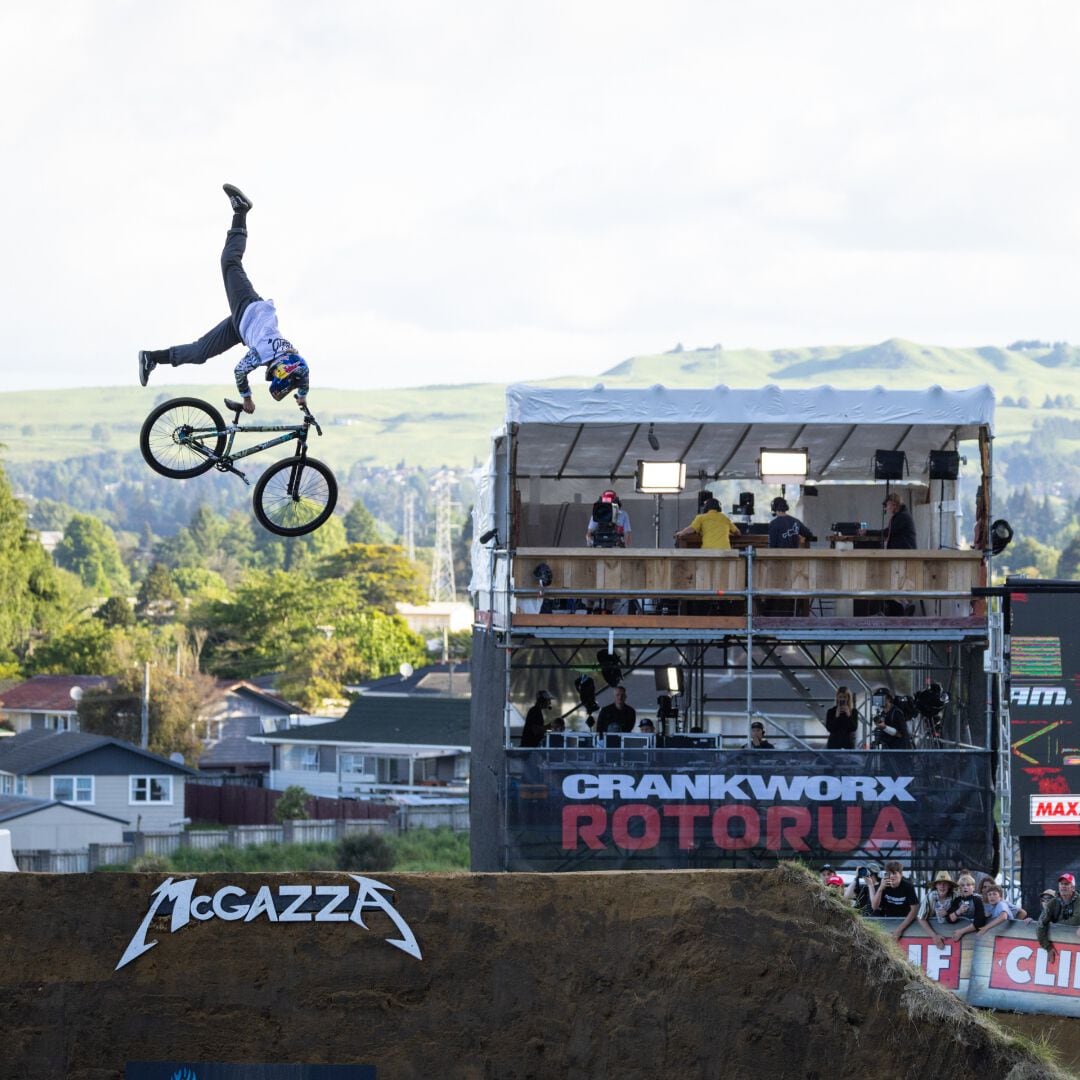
(1044, 713)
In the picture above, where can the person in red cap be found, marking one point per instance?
(1062, 909)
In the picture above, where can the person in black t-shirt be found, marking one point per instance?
(842, 721)
(757, 737)
(617, 716)
(785, 531)
(532, 734)
(890, 725)
(895, 898)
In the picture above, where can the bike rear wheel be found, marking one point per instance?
(295, 496)
(179, 435)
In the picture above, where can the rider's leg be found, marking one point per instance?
(238, 287)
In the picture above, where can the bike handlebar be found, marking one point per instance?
(308, 418)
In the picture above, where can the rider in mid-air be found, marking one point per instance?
(253, 321)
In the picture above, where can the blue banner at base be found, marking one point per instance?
(220, 1070)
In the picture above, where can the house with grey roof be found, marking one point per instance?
(406, 748)
(242, 709)
(48, 702)
(94, 772)
(50, 825)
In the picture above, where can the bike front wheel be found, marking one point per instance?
(181, 438)
(295, 496)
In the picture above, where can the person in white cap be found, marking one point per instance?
(1062, 909)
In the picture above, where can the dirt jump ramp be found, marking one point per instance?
(733, 974)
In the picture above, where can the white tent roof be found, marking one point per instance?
(602, 433)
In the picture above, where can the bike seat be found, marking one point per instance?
(236, 406)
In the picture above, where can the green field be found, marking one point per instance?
(451, 425)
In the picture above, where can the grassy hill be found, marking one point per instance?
(451, 425)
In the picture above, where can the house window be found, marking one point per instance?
(20, 785)
(309, 759)
(73, 789)
(7, 784)
(353, 764)
(151, 789)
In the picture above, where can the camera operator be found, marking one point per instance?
(890, 724)
(895, 898)
(532, 734)
(863, 885)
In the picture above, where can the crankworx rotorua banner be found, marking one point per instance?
(654, 809)
(1044, 713)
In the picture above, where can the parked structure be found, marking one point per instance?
(93, 772)
(722, 638)
(47, 702)
(404, 748)
(49, 825)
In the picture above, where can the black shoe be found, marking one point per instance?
(146, 365)
(241, 204)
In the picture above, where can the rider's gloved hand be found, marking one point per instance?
(249, 405)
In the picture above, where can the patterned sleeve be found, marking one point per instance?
(249, 362)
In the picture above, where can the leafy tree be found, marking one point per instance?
(50, 515)
(89, 549)
(195, 581)
(176, 701)
(361, 526)
(380, 574)
(292, 806)
(33, 594)
(1069, 564)
(158, 593)
(88, 647)
(116, 611)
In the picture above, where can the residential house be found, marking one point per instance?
(96, 773)
(444, 680)
(50, 825)
(243, 709)
(406, 747)
(47, 702)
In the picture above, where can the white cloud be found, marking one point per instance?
(499, 190)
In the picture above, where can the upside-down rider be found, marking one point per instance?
(253, 322)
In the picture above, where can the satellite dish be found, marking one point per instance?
(406, 669)
(176, 757)
(76, 693)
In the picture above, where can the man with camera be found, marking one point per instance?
(862, 888)
(890, 724)
(895, 898)
(1063, 908)
(532, 734)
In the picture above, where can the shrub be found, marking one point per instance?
(292, 806)
(364, 851)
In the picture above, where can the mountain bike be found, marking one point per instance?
(186, 437)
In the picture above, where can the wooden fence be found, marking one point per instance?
(230, 804)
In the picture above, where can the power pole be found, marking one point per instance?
(409, 525)
(144, 718)
(442, 563)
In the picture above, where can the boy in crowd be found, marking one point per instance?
(967, 904)
(936, 905)
(895, 898)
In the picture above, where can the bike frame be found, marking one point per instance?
(196, 437)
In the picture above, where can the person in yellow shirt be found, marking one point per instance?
(714, 527)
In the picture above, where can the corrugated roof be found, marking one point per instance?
(31, 751)
(49, 693)
(408, 721)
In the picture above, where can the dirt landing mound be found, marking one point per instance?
(740, 974)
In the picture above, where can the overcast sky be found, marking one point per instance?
(475, 191)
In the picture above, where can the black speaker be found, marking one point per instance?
(944, 464)
(889, 464)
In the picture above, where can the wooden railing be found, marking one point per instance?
(815, 584)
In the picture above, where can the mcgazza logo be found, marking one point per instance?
(278, 904)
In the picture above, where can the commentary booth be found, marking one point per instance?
(707, 642)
